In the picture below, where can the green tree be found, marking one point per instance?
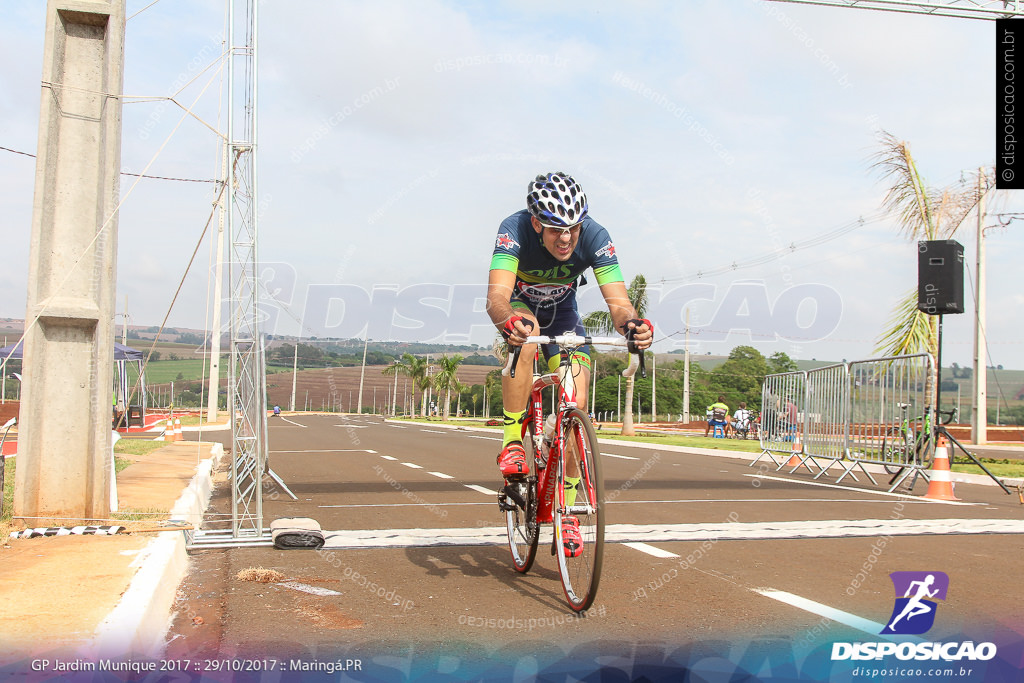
(780, 362)
(446, 380)
(601, 322)
(417, 372)
(923, 213)
(740, 377)
(398, 367)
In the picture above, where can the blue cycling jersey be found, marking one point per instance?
(542, 281)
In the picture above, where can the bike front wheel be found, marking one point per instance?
(521, 520)
(582, 573)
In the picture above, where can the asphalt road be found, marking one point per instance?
(717, 564)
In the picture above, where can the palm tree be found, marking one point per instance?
(922, 213)
(417, 372)
(493, 378)
(446, 380)
(601, 322)
(398, 367)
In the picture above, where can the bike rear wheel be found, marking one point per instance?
(894, 451)
(521, 521)
(581, 574)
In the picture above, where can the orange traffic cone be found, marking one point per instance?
(177, 430)
(794, 459)
(940, 486)
(169, 431)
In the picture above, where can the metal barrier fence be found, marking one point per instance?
(827, 411)
(782, 415)
(850, 414)
(887, 413)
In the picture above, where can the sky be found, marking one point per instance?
(726, 147)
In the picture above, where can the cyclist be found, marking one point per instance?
(539, 259)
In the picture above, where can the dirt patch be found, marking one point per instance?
(57, 590)
(326, 615)
(260, 575)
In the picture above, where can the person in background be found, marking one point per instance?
(719, 412)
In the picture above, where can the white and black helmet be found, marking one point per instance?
(556, 199)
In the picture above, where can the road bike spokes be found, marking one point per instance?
(581, 574)
(519, 501)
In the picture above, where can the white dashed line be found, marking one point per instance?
(312, 590)
(412, 465)
(330, 450)
(434, 431)
(481, 489)
(487, 438)
(442, 475)
(623, 457)
(388, 457)
(650, 550)
(294, 423)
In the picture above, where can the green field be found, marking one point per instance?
(190, 369)
(166, 371)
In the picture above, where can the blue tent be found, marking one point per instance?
(122, 356)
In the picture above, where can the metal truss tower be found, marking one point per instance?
(247, 387)
(964, 9)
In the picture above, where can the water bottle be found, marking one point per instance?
(549, 433)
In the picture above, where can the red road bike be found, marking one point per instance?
(539, 497)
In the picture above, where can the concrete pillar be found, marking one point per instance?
(64, 466)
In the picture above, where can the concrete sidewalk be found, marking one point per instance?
(107, 596)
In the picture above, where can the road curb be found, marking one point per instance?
(138, 625)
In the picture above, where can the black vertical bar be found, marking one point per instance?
(1009, 152)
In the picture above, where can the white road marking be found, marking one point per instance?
(650, 550)
(442, 475)
(352, 426)
(481, 489)
(412, 465)
(330, 450)
(388, 457)
(293, 423)
(756, 500)
(651, 533)
(851, 620)
(487, 438)
(854, 488)
(434, 431)
(305, 588)
(400, 505)
(623, 457)
(397, 426)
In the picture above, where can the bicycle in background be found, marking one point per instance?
(564, 444)
(903, 446)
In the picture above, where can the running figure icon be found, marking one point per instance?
(915, 605)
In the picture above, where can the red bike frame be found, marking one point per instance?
(547, 483)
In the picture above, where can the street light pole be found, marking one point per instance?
(979, 406)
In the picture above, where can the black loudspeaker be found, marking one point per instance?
(940, 277)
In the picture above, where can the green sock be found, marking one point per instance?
(513, 427)
(570, 490)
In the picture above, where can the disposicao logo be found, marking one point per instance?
(913, 614)
(916, 592)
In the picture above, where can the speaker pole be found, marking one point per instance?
(938, 376)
